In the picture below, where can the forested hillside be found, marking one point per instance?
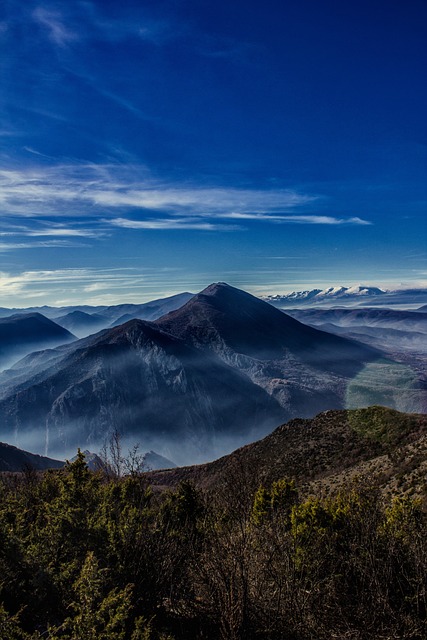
(88, 556)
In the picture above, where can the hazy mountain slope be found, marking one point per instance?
(145, 311)
(21, 334)
(385, 338)
(143, 382)
(14, 459)
(151, 310)
(51, 312)
(325, 450)
(390, 318)
(82, 324)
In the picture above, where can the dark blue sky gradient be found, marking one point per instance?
(151, 147)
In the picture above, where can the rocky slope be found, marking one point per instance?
(142, 382)
(325, 452)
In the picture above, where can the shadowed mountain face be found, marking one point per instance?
(21, 334)
(230, 321)
(14, 459)
(219, 372)
(146, 384)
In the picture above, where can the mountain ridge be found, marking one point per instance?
(324, 453)
(221, 370)
(355, 294)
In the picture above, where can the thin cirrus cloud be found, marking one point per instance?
(99, 190)
(306, 219)
(93, 285)
(108, 187)
(85, 21)
(53, 22)
(65, 232)
(172, 223)
(44, 244)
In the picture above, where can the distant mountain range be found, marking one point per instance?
(84, 320)
(218, 372)
(356, 295)
(388, 318)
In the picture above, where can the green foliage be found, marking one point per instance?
(9, 626)
(404, 518)
(85, 557)
(380, 424)
(97, 616)
(181, 509)
(279, 500)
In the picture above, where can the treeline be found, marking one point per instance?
(86, 557)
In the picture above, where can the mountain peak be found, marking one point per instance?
(228, 320)
(217, 287)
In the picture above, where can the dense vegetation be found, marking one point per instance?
(90, 557)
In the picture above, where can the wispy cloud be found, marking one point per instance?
(306, 219)
(172, 223)
(85, 286)
(45, 244)
(84, 21)
(53, 21)
(98, 191)
(201, 200)
(57, 189)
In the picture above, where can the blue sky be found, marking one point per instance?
(151, 147)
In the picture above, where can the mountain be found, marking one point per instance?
(262, 341)
(85, 320)
(154, 461)
(93, 461)
(324, 452)
(14, 459)
(306, 370)
(139, 380)
(21, 334)
(349, 296)
(234, 323)
(149, 310)
(218, 372)
(82, 324)
(49, 312)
